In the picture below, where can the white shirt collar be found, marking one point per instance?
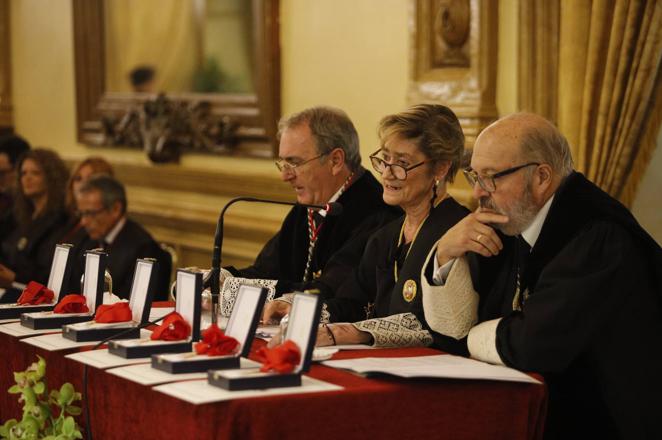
(112, 235)
(532, 232)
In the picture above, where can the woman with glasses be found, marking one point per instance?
(40, 215)
(421, 150)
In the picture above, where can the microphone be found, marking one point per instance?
(331, 209)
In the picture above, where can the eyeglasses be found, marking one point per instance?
(488, 182)
(398, 171)
(289, 167)
(90, 213)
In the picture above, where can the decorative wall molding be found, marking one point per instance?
(538, 53)
(454, 59)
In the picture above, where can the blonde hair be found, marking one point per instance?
(434, 128)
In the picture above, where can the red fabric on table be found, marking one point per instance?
(216, 343)
(376, 407)
(365, 408)
(173, 328)
(72, 304)
(118, 312)
(36, 293)
(282, 358)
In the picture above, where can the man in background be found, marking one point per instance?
(102, 207)
(12, 147)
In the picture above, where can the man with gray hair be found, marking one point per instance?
(559, 278)
(102, 205)
(319, 157)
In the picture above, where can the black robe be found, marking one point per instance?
(593, 321)
(339, 245)
(29, 251)
(374, 281)
(131, 243)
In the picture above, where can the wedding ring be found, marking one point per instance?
(479, 237)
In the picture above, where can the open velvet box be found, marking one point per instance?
(189, 289)
(140, 303)
(302, 330)
(242, 324)
(59, 276)
(95, 268)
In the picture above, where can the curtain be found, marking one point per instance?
(609, 92)
(158, 33)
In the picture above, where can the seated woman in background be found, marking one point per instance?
(421, 151)
(41, 216)
(89, 167)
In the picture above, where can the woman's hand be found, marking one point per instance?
(274, 311)
(341, 334)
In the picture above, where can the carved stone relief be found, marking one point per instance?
(454, 59)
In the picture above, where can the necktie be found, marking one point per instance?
(523, 252)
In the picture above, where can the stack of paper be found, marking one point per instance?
(441, 366)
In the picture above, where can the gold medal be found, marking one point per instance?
(22, 243)
(409, 290)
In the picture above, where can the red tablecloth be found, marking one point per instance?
(365, 408)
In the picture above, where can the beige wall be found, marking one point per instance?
(347, 53)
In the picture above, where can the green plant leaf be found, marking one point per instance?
(73, 410)
(66, 394)
(14, 389)
(4, 429)
(68, 426)
(39, 388)
(29, 396)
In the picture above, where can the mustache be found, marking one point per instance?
(487, 203)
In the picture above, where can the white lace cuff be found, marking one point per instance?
(451, 309)
(231, 287)
(482, 342)
(403, 330)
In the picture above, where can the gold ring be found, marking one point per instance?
(479, 237)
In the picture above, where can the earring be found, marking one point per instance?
(436, 182)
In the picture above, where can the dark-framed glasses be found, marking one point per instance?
(398, 171)
(89, 212)
(488, 183)
(284, 165)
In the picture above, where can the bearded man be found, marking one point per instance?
(559, 278)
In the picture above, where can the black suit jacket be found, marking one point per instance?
(132, 242)
(339, 246)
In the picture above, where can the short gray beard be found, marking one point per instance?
(520, 214)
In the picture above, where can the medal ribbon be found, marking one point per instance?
(314, 230)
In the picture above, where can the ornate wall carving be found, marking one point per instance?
(454, 56)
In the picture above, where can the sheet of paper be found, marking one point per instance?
(200, 392)
(144, 374)
(104, 359)
(353, 347)
(55, 342)
(102, 325)
(6, 321)
(20, 331)
(438, 366)
(159, 312)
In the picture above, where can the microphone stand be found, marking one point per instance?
(214, 282)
